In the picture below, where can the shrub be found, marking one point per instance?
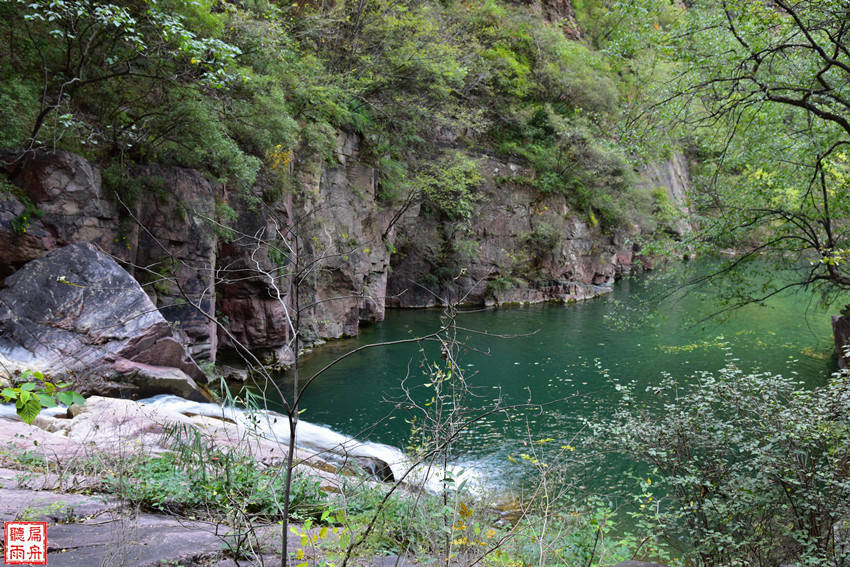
(542, 239)
(17, 105)
(448, 185)
(745, 468)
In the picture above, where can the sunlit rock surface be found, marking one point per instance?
(76, 314)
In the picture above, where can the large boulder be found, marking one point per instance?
(76, 314)
(62, 198)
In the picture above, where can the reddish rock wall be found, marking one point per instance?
(221, 265)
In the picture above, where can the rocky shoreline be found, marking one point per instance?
(210, 259)
(89, 524)
(44, 476)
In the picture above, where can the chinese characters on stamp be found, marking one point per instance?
(25, 543)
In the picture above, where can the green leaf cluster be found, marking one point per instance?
(29, 397)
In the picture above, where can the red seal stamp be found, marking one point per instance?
(25, 543)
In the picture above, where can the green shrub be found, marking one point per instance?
(448, 185)
(542, 239)
(228, 89)
(18, 106)
(571, 534)
(403, 524)
(745, 468)
(504, 283)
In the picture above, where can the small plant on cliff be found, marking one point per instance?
(30, 396)
(448, 185)
(31, 211)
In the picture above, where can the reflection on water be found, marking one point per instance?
(569, 356)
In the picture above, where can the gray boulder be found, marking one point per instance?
(76, 314)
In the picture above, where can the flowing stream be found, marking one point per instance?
(567, 356)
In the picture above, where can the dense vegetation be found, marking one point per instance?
(756, 91)
(744, 468)
(238, 89)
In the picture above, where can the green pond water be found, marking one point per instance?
(574, 356)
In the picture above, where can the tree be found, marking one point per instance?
(73, 45)
(764, 90)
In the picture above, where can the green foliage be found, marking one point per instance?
(542, 239)
(448, 183)
(20, 222)
(403, 523)
(229, 91)
(570, 534)
(201, 140)
(30, 212)
(200, 476)
(467, 248)
(30, 396)
(745, 468)
(758, 92)
(504, 283)
(564, 148)
(396, 73)
(17, 105)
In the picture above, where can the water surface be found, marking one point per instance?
(567, 356)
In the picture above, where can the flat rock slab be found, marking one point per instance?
(45, 506)
(391, 561)
(268, 560)
(100, 531)
(17, 436)
(143, 541)
(62, 481)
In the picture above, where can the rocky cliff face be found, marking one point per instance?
(223, 267)
(559, 12)
(520, 246)
(672, 178)
(329, 233)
